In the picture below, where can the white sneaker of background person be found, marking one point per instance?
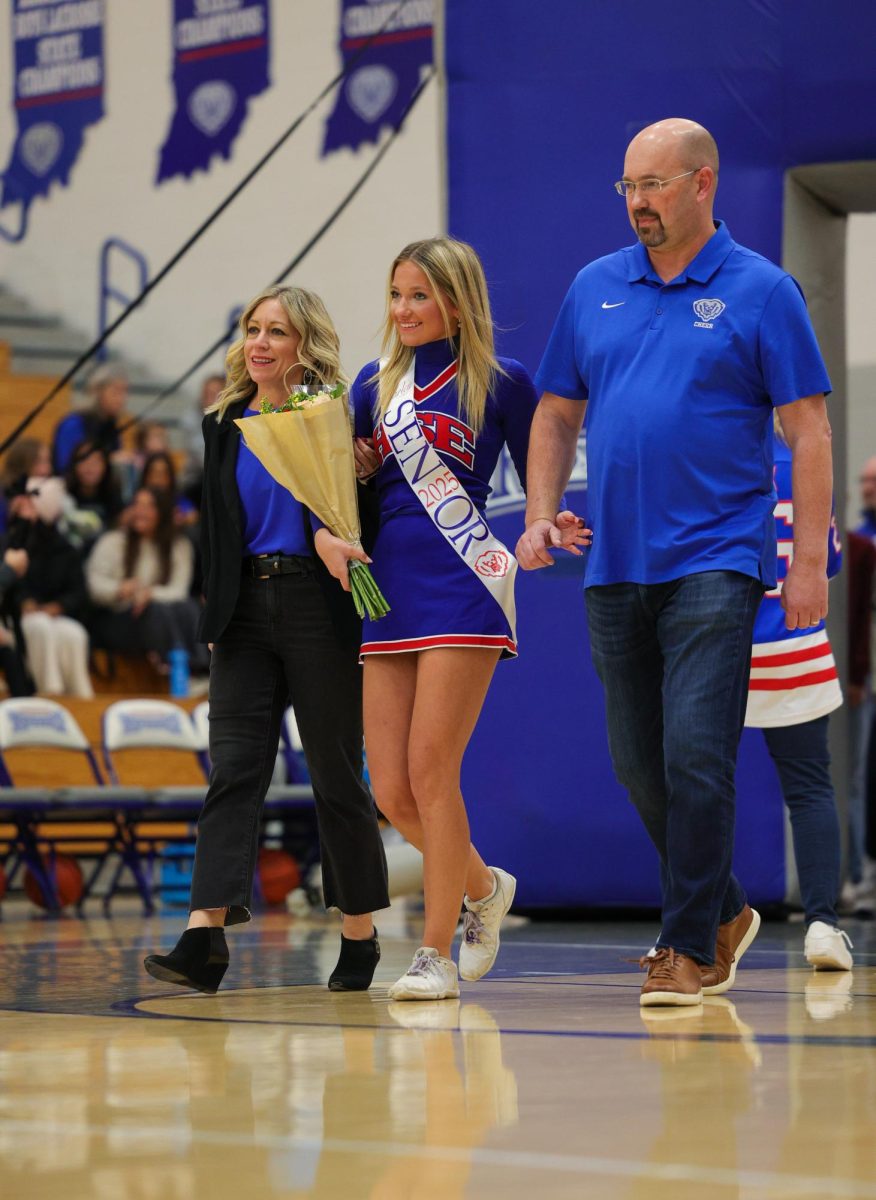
(429, 977)
(480, 926)
(827, 948)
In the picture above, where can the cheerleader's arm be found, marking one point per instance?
(516, 400)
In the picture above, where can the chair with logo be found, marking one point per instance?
(28, 727)
(154, 744)
(41, 741)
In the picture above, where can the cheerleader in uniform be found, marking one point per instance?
(431, 418)
(792, 689)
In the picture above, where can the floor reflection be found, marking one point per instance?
(555, 1085)
(177, 1109)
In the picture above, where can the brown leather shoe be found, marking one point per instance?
(672, 979)
(734, 938)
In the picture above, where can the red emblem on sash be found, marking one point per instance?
(493, 563)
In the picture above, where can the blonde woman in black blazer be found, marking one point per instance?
(283, 631)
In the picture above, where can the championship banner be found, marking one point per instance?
(221, 50)
(385, 76)
(58, 91)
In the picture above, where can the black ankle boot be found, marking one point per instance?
(356, 965)
(198, 960)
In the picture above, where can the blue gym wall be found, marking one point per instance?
(542, 100)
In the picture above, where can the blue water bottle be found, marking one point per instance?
(178, 660)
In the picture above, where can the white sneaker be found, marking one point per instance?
(429, 977)
(480, 926)
(827, 948)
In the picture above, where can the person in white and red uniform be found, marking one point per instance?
(792, 689)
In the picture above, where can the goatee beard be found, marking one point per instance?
(655, 235)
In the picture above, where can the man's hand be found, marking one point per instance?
(804, 595)
(565, 532)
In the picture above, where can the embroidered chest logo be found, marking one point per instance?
(708, 312)
(449, 435)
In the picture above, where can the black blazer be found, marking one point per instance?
(222, 536)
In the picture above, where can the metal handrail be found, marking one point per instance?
(9, 183)
(107, 291)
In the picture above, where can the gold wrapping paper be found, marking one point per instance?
(309, 451)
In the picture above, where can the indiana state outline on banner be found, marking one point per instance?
(57, 92)
(221, 53)
(383, 78)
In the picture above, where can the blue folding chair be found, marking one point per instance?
(32, 723)
(160, 725)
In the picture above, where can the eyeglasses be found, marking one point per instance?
(648, 187)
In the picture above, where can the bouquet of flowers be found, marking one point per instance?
(307, 447)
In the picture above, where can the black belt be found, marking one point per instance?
(263, 566)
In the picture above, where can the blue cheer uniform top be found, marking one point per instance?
(680, 380)
(793, 672)
(435, 599)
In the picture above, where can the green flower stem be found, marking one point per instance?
(367, 596)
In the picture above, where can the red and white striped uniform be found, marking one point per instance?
(792, 681)
(793, 672)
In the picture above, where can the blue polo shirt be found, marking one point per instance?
(680, 379)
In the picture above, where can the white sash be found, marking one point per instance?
(446, 501)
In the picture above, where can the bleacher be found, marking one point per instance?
(36, 349)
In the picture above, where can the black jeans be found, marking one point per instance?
(280, 647)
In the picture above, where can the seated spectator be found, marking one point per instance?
(94, 499)
(26, 457)
(99, 423)
(150, 437)
(193, 438)
(139, 579)
(859, 892)
(159, 474)
(867, 481)
(52, 596)
(12, 667)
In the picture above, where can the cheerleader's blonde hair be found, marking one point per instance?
(455, 274)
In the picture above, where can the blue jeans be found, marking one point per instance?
(803, 762)
(674, 661)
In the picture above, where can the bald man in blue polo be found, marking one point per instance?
(674, 352)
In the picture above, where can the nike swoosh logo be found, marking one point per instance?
(605, 304)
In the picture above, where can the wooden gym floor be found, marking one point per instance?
(545, 1080)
